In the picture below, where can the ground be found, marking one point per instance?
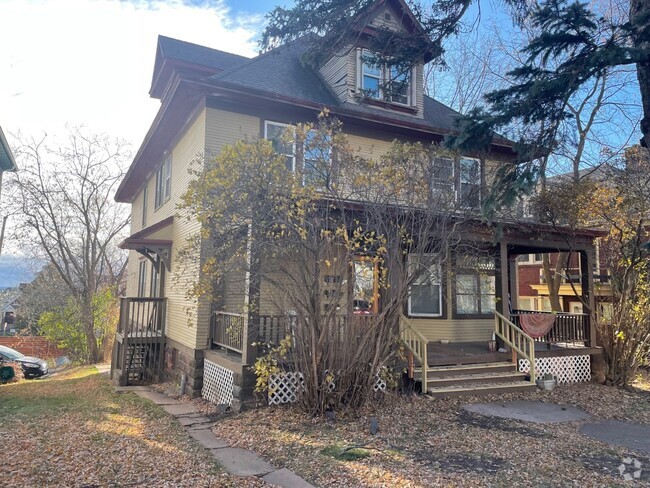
(425, 442)
(73, 430)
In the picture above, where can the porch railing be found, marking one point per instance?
(417, 345)
(518, 341)
(139, 342)
(568, 327)
(227, 330)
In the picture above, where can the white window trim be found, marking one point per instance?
(161, 196)
(453, 174)
(415, 314)
(142, 277)
(293, 146)
(411, 95)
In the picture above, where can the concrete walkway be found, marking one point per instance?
(234, 460)
(615, 432)
(529, 411)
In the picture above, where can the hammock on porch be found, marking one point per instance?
(536, 325)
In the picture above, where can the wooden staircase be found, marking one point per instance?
(475, 379)
(471, 376)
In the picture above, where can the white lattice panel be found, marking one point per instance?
(218, 383)
(567, 369)
(285, 387)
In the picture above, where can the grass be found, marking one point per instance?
(72, 429)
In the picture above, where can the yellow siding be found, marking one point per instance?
(467, 330)
(368, 148)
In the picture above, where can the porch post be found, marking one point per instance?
(501, 281)
(513, 281)
(251, 301)
(587, 285)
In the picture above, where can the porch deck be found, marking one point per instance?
(459, 353)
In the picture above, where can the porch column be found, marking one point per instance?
(251, 301)
(587, 284)
(501, 280)
(513, 282)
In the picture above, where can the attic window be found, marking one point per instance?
(381, 82)
(387, 16)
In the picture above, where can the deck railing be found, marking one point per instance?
(227, 330)
(568, 327)
(139, 343)
(518, 341)
(417, 344)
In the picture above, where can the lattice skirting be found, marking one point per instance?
(567, 369)
(218, 383)
(285, 387)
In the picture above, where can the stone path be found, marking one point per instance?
(530, 411)
(234, 460)
(626, 434)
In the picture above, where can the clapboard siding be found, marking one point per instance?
(337, 75)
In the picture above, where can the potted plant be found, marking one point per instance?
(547, 382)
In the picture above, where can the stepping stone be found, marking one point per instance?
(125, 389)
(615, 432)
(179, 409)
(241, 462)
(529, 411)
(189, 420)
(157, 398)
(207, 439)
(287, 479)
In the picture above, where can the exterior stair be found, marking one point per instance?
(475, 379)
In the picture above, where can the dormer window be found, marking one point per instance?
(381, 82)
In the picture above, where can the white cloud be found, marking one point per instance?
(90, 61)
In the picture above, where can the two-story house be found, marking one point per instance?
(210, 99)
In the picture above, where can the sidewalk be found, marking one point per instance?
(234, 460)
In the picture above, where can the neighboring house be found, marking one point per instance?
(7, 163)
(532, 289)
(210, 99)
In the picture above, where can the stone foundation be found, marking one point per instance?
(181, 359)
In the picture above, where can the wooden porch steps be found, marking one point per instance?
(475, 379)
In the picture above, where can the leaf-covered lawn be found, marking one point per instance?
(73, 430)
(432, 442)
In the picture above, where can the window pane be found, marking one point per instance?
(487, 285)
(364, 286)
(466, 284)
(466, 304)
(399, 84)
(371, 86)
(469, 171)
(425, 299)
(487, 304)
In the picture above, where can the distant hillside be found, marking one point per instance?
(17, 269)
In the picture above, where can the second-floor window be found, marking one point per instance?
(145, 197)
(382, 82)
(314, 154)
(469, 191)
(275, 132)
(164, 182)
(142, 277)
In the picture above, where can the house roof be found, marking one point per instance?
(281, 72)
(7, 161)
(173, 53)
(278, 75)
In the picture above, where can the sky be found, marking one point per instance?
(90, 62)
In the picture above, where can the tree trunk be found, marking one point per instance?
(88, 324)
(553, 277)
(640, 9)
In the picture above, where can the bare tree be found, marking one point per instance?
(68, 217)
